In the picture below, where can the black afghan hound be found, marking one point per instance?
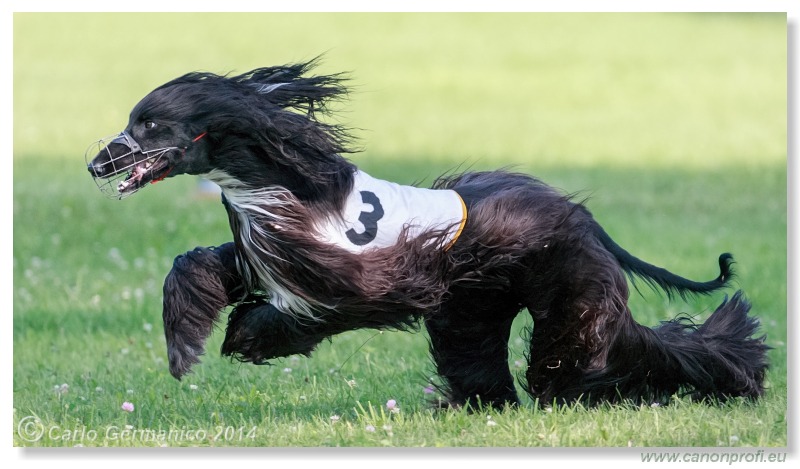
(321, 248)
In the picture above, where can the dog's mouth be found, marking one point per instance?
(121, 167)
(152, 169)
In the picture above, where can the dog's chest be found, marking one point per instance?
(377, 213)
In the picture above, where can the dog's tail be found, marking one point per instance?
(718, 359)
(660, 277)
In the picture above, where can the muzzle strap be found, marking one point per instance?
(124, 138)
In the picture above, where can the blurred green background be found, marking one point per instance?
(673, 124)
(544, 89)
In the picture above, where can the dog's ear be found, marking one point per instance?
(288, 86)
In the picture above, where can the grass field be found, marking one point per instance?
(674, 125)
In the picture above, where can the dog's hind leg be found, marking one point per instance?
(201, 283)
(470, 350)
(577, 308)
(587, 347)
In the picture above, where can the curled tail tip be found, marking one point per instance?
(726, 268)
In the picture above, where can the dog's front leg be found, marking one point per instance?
(201, 283)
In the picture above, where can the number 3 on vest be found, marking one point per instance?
(368, 219)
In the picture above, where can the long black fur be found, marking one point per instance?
(524, 246)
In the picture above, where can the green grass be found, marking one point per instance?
(674, 125)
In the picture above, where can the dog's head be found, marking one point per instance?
(151, 148)
(258, 128)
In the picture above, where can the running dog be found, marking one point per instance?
(320, 247)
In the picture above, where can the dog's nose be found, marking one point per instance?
(96, 170)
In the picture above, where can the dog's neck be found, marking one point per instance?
(324, 194)
(324, 191)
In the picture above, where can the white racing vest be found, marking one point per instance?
(376, 212)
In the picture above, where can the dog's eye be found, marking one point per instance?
(150, 125)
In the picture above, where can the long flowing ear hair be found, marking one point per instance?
(280, 114)
(288, 87)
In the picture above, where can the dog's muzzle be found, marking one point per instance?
(120, 167)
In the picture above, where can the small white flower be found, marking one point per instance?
(193, 387)
(130, 391)
(147, 327)
(124, 351)
(734, 439)
(98, 389)
(334, 418)
(351, 383)
(370, 428)
(491, 423)
(128, 427)
(287, 370)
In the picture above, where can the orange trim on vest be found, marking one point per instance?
(461, 226)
